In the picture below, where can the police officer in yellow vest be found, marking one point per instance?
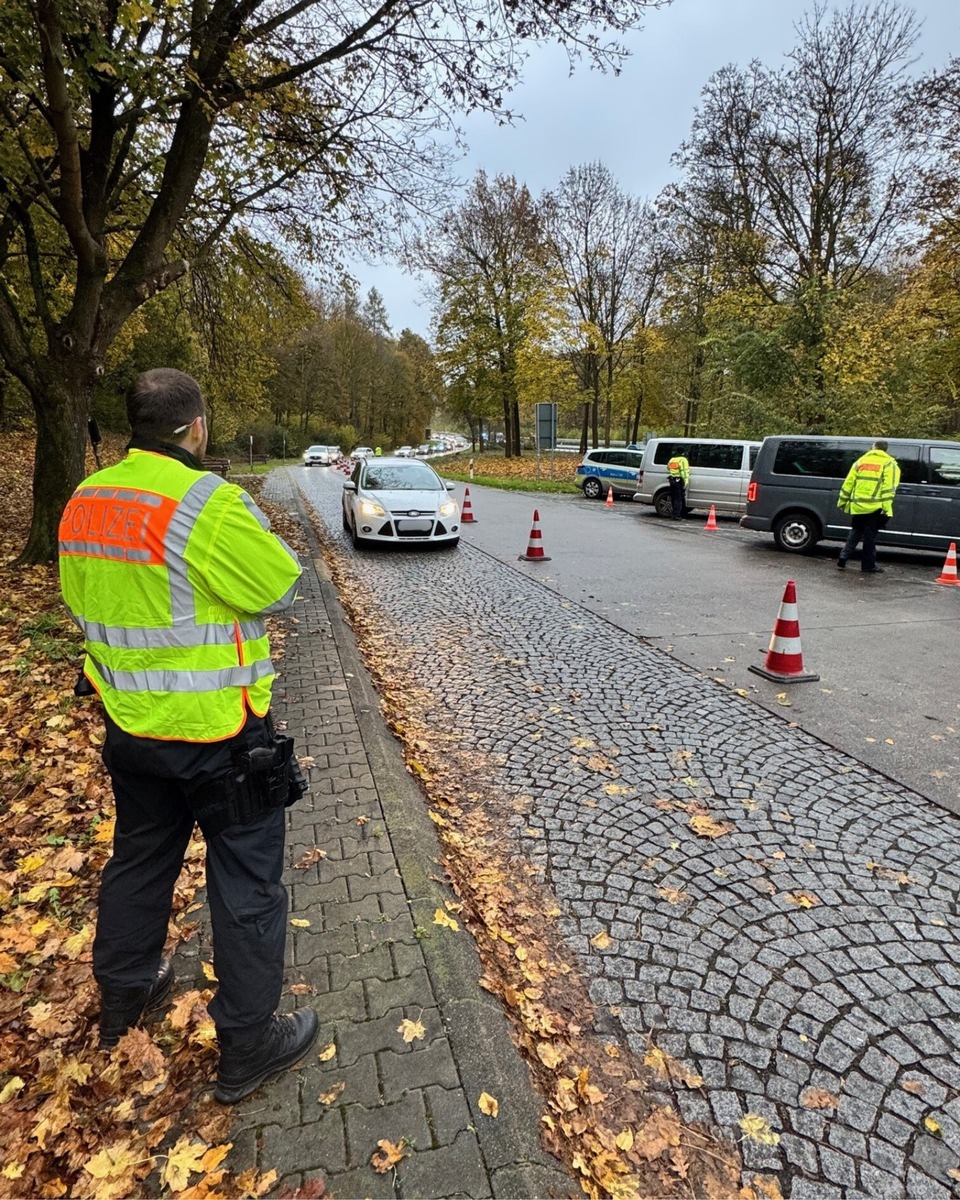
(678, 476)
(169, 571)
(867, 495)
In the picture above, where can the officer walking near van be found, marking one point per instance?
(867, 495)
(678, 476)
(169, 571)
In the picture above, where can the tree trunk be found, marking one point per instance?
(60, 459)
(515, 422)
(596, 407)
(585, 428)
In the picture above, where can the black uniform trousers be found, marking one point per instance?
(865, 526)
(678, 495)
(152, 783)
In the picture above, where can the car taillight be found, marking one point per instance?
(752, 488)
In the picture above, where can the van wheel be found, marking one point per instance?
(797, 533)
(663, 504)
(592, 489)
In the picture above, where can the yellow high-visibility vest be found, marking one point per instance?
(679, 468)
(170, 572)
(871, 484)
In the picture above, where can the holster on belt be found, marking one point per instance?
(263, 778)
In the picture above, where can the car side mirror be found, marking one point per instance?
(349, 486)
(448, 485)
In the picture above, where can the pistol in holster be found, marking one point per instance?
(262, 779)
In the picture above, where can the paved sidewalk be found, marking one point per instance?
(781, 917)
(372, 956)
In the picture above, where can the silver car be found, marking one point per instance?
(399, 501)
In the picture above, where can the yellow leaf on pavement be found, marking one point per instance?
(13, 1170)
(411, 1030)
(328, 1098)
(932, 1126)
(114, 1161)
(625, 1140)
(390, 1153)
(208, 971)
(299, 923)
(549, 1055)
(757, 1129)
(328, 1052)
(705, 826)
(441, 918)
(183, 1160)
(803, 899)
(602, 940)
(489, 1105)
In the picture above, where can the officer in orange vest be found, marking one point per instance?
(169, 571)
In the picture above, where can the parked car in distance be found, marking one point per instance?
(319, 456)
(403, 452)
(796, 482)
(361, 452)
(600, 470)
(401, 502)
(719, 473)
(422, 450)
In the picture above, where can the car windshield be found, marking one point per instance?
(400, 477)
(316, 449)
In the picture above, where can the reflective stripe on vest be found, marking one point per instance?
(177, 659)
(183, 681)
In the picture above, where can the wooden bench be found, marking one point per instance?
(220, 465)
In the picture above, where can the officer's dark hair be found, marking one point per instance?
(880, 444)
(159, 402)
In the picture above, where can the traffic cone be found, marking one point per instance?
(466, 516)
(608, 503)
(534, 545)
(711, 519)
(784, 661)
(949, 572)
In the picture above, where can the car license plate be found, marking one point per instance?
(409, 526)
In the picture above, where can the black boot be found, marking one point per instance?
(122, 1007)
(285, 1041)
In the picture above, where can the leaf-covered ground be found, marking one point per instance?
(602, 1114)
(75, 1120)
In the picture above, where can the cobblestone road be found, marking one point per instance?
(813, 947)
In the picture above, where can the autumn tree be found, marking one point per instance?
(607, 248)
(486, 256)
(127, 125)
(796, 181)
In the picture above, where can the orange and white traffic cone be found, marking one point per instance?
(784, 661)
(949, 572)
(608, 503)
(466, 515)
(535, 544)
(711, 519)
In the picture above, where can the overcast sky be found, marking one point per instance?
(636, 121)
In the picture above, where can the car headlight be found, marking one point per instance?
(448, 508)
(368, 508)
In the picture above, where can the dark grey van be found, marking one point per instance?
(796, 480)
